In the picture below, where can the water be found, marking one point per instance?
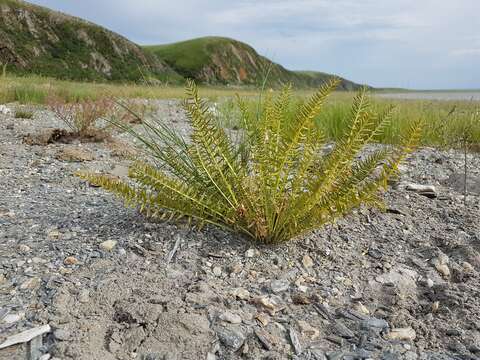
(434, 95)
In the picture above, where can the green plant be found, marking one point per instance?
(276, 184)
(23, 114)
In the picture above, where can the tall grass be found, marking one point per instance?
(36, 90)
(445, 122)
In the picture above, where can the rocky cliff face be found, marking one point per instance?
(37, 40)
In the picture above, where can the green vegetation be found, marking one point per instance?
(23, 114)
(218, 60)
(36, 90)
(445, 122)
(37, 40)
(272, 185)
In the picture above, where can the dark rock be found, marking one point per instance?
(231, 338)
(374, 323)
(343, 331)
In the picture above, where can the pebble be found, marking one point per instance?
(402, 334)
(70, 260)
(231, 338)
(279, 286)
(374, 323)
(250, 253)
(231, 317)
(30, 283)
(241, 293)
(24, 248)
(211, 356)
(2, 278)
(62, 335)
(263, 318)
(467, 267)
(217, 271)
(297, 346)
(108, 245)
(307, 261)
(13, 318)
(84, 296)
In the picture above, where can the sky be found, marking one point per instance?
(417, 44)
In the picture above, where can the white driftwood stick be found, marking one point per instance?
(25, 336)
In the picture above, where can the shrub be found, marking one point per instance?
(277, 183)
(82, 117)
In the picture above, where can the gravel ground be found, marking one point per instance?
(400, 284)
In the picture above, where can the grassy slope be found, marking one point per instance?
(218, 60)
(37, 40)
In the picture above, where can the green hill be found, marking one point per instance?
(217, 60)
(37, 40)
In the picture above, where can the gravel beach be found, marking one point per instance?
(397, 284)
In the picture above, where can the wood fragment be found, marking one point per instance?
(25, 336)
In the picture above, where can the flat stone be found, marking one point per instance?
(402, 334)
(73, 154)
(13, 318)
(230, 317)
(217, 271)
(279, 286)
(231, 338)
(62, 335)
(108, 245)
(374, 323)
(241, 293)
(307, 261)
(70, 260)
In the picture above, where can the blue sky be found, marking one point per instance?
(423, 44)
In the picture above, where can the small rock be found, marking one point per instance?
(307, 262)
(402, 334)
(270, 304)
(62, 335)
(263, 318)
(250, 253)
(84, 296)
(307, 330)
(453, 332)
(71, 260)
(467, 267)
(2, 279)
(297, 347)
(429, 283)
(32, 283)
(343, 331)
(64, 271)
(74, 155)
(435, 306)
(374, 323)
(266, 339)
(24, 248)
(13, 318)
(217, 271)
(300, 299)
(211, 356)
(54, 234)
(230, 317)
(425, 190)
(279, 286)
(241, 293)
(235, 268)
(231, 338)
(362, 309)
(108, 245)
(442, 268)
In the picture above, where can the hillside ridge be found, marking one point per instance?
(226, 61)
(37, 40)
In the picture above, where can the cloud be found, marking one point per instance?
(381, 42)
